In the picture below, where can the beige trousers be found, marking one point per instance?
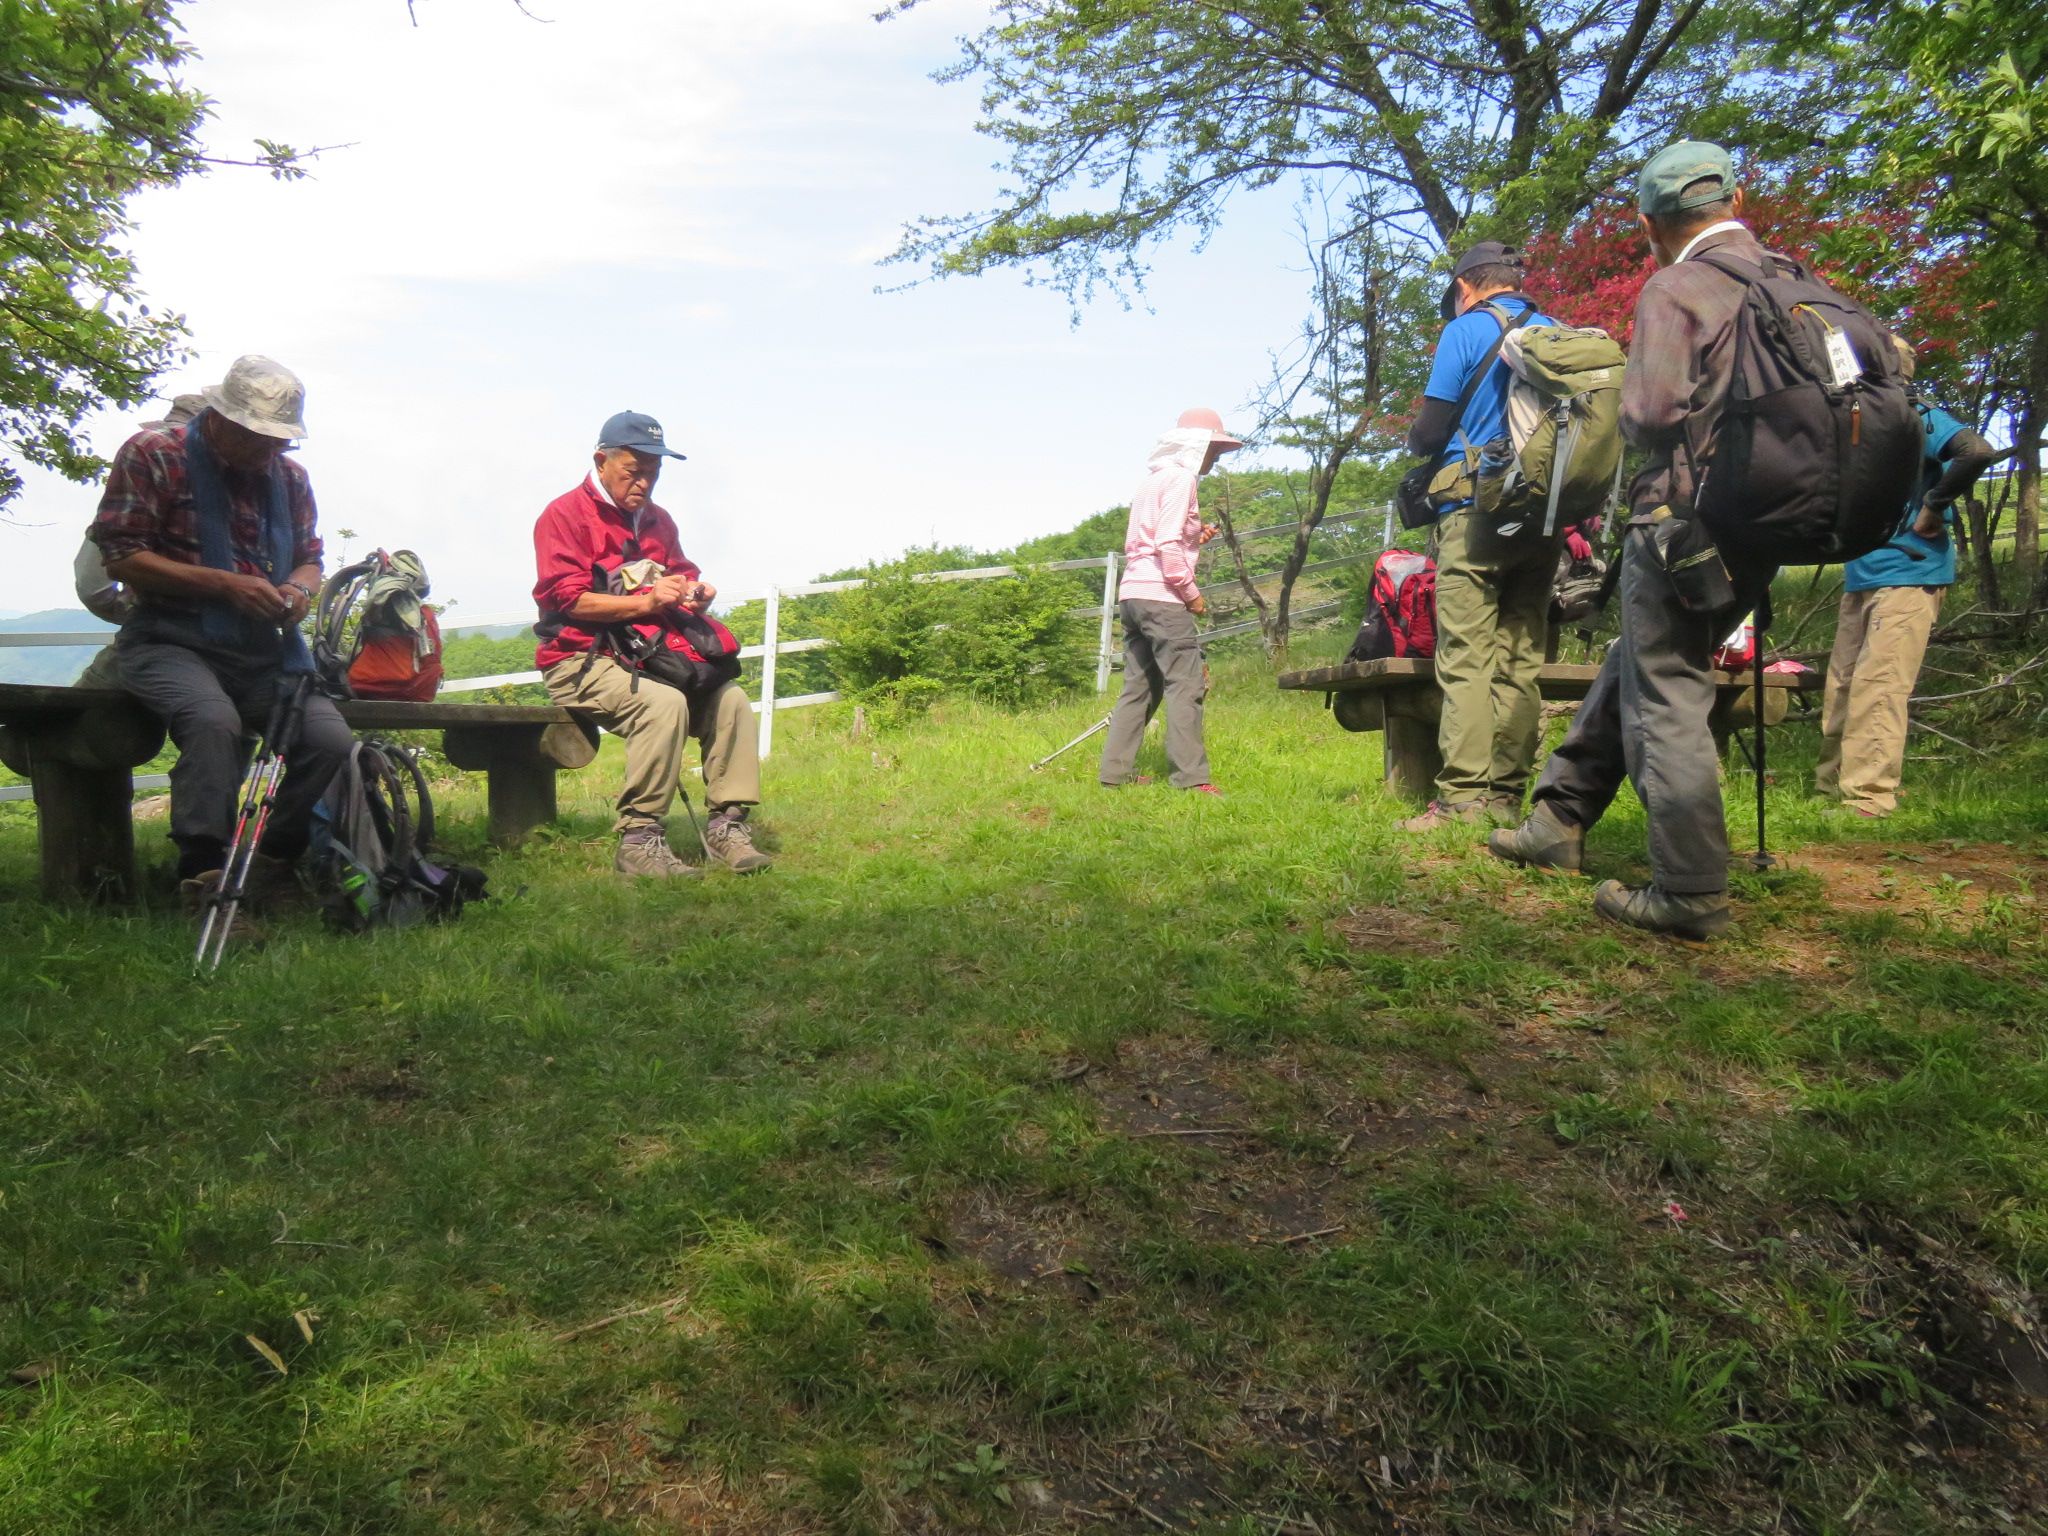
(655, 719)
(1880, 638)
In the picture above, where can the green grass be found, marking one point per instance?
(875, 1141)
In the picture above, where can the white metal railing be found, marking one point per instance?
(774, 646)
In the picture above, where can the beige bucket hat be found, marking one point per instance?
(262, 395)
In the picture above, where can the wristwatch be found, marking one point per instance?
(302, 589)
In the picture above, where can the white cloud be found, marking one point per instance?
(671, 205)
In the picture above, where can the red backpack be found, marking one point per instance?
(1400, 617)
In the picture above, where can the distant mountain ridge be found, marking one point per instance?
(48, 663)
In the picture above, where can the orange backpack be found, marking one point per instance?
(397, 664)
(374, 635)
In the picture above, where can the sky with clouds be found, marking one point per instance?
(674, 206)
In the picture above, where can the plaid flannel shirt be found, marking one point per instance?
(1681, 366)
(148, 507)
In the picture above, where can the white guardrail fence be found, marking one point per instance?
(773, 645)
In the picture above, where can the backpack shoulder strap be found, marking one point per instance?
(1507, 323)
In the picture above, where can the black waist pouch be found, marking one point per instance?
(1692, 563)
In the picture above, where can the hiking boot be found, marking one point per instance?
(648, 854)
(1683, 916)
(195, 895)
(273, 886)
(1504, 810)
(1544, 841)
(727, 840)
(194, 890)
(1442, 813)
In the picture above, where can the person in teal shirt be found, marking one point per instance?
(1890, 600)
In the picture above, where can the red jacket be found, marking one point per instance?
(577, 533)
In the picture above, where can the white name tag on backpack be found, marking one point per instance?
(1842, 359)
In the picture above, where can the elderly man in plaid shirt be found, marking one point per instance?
(213, 530)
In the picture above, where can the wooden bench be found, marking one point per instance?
(1399, 698)
(78, 748)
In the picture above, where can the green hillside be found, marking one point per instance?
(1021, 1156)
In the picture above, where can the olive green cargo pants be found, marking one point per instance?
(1492, 608)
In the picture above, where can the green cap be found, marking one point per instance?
(1660, 187)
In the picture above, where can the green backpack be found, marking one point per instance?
(1564, 425)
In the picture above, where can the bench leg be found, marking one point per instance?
(85, 826)
(1412, 758)
(522, 797)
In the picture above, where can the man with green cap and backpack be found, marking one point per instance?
(1645, 718)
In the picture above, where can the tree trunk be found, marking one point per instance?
(1228, 524)
(1978, 515)
(2026, 522)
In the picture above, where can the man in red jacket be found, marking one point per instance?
(582, 542)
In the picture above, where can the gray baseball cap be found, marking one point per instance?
(1660, 186)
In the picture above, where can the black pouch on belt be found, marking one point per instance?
(1691, 560)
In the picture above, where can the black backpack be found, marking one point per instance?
(1818, 449)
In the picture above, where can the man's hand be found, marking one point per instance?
(1575, 543)
(666, 592)
(1209, 531)
(700, 596)
(296, 603)
(1198, 605)
(255, 596)
(1928, 523)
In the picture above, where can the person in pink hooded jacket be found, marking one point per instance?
(1159, 603)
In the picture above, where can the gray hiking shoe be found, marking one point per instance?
(648, 855)
(1504, 810)
(1688, 916)
(1545, 841)
(727, 840)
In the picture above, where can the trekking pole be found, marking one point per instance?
(1101, 724)
(1763, 859)
(259, 797)
(695, 826)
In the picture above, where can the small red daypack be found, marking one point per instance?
(1400, 615)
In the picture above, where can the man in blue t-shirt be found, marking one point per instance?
(1890, 600)
(1492, 584)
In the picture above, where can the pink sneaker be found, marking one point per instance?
(1205, 789)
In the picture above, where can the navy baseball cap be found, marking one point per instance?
(1487, 253)
(636, 431)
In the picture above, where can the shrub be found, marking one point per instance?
(903, 642)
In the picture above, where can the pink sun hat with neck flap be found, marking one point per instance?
(1206, 420)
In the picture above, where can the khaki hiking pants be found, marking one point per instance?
(1492, 611)
(1880, 639)
(655, 720)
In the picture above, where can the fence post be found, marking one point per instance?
(1102, 650)
(770, 640)
(1387, 528)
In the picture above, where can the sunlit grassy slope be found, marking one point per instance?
(1025, 1156)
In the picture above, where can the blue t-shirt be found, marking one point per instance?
(1889, 565)
(1464, 342)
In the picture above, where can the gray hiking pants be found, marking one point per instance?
(209, 701)
(1646, 720)
(1162, 661)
